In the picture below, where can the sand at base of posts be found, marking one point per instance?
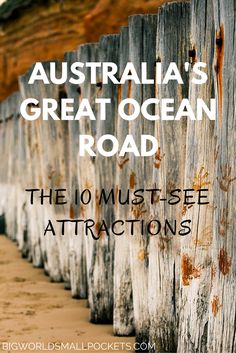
(35, 310)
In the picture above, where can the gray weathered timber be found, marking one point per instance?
(178, 293)
(77, 252)
(142, 37)
(86, 164)
(101, 271)
(222, 304)
(196, 262)
(123, 297)
(168, 175)
(9, 142)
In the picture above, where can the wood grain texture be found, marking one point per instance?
(178, 293)
(168, 174)
(102, 266)
(142, 30)
(123, 293)
(222, 303)
(199, 171)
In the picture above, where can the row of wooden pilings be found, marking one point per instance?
(176, 292)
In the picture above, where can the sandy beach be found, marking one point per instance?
(35, 310)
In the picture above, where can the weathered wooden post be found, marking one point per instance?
(22, 217)
(123, 298)
(77, 253)
(222, 305)
(9, 110)
(178, 294)
(142, 48)
(199, 170)
(168, 164)
(86, 164)
(101, 271)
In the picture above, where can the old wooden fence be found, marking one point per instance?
(177, 292)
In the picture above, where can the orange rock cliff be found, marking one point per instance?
(39, 30)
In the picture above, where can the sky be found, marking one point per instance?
(2, 1)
